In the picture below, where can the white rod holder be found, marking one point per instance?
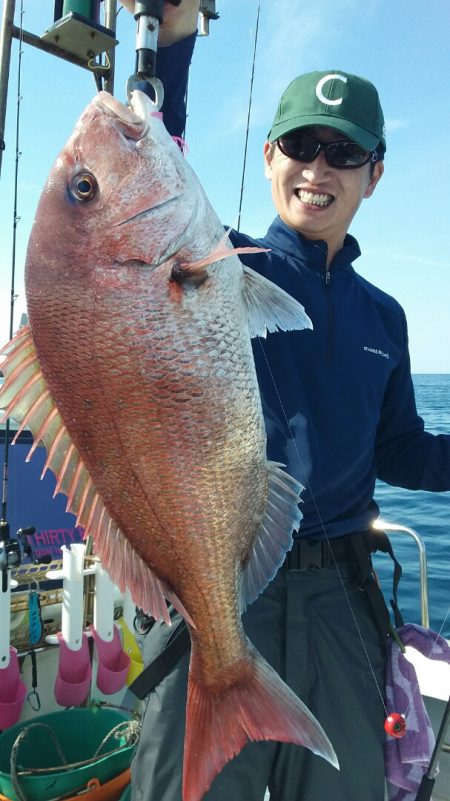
(103, 604)
(73, 607)
(5, 622)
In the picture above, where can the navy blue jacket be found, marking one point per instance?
(338, 401)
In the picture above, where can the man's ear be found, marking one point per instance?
(268, 156)
(377, 173)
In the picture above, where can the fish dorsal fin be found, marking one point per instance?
(274, 540)
(25, 397)
(271, 308)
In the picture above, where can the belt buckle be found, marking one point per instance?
(311, 554)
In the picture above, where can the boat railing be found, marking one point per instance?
(384, 525)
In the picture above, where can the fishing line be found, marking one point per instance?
(336, 564)
(300, 460)
(443, 623)
(244, 166)
(322, 525)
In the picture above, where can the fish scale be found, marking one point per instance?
(141, 317)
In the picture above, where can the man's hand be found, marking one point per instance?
(179, 21)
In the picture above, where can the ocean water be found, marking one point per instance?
(428, 513)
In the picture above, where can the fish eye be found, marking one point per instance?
(83, 186)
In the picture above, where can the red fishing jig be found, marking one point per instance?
(395, 725)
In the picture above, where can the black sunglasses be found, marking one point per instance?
(344, 154)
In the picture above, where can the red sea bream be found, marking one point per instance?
(137, 375)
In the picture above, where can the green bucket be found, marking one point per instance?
(59, 755)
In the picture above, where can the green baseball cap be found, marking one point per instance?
(336, 99)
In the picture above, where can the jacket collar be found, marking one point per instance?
(312, 253)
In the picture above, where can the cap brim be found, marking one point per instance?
(359, 135)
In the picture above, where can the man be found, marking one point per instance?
(340, 412)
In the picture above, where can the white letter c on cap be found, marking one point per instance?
(322, 83)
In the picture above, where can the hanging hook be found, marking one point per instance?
(33, 696)
(142, 83)
(149, 16)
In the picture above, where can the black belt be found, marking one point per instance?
(306, 554)
(354, 549)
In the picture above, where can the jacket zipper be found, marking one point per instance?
(329, 316)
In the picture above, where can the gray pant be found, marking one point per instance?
(307, 624)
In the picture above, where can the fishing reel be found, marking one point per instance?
(142, 623)
(10, 553)
(11, 550)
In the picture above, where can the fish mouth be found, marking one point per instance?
(132, 119)
(133, 122)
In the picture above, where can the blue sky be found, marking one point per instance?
(401, 45)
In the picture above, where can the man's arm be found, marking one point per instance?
(179, 21)
(406, 454)
(172, 62)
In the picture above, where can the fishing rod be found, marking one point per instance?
(10, 550)
(247, 131)
(427, 784)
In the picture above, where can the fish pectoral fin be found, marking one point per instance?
(221, 252)
(274, 539)
(270, 308)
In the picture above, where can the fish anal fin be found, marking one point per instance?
(270, 308)
(274, 539)
(259, 707)
(130, 572)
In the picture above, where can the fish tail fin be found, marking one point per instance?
(258, 707)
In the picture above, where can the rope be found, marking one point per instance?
(128, 730)
(18, 742)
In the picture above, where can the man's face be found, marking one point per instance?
(315, 199)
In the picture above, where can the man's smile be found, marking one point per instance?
(314, 198)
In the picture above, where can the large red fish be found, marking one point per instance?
(138, 377)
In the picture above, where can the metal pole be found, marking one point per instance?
(5, 59)
(429, 778)
(47, 47)
(110, 22)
